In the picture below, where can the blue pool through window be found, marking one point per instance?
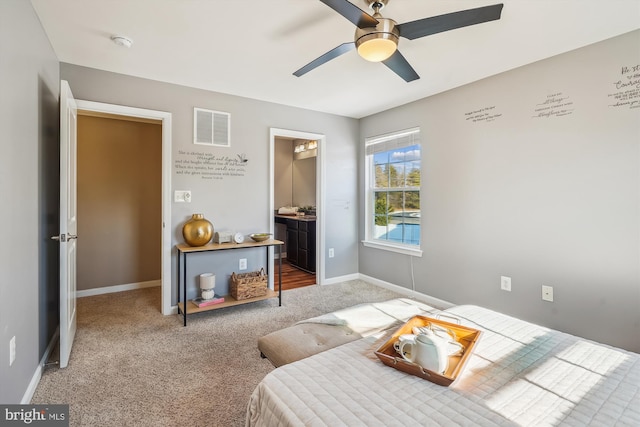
(402, 233)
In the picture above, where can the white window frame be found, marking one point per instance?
(369, 241)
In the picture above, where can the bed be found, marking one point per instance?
(519, 374)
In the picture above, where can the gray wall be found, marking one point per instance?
(238, 202)
(551, 200)
(29, 153)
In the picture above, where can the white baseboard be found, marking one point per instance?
(340, 279)
(427, 299)
(118, 288)
(35, 380)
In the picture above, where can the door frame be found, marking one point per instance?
(165, 118)
(320, 189)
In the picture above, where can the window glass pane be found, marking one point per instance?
(396, 202)
(412, 153)
(411, 233)
(381, 158)
(399, 233)
(380, 232)
(381, 176)
(412, 204)
(413, 174)
(404, 154)
(396, 175)
(382, 208)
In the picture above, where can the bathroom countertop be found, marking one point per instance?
(297, 218)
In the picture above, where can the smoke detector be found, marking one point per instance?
(122, 41)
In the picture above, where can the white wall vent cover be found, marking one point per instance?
(211, 128)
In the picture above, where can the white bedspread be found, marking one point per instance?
(370, 318)
(520, 374)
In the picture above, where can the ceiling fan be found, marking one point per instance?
(376, 38)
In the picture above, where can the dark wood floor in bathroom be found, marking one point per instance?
(292, 277)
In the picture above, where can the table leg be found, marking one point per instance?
(279, 275)
(184, 288)
(179, 297)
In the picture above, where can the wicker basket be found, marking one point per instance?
(249, 285)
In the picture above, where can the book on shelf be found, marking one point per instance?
(200, 302)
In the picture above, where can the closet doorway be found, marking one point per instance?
(142, 206)
(120, 202)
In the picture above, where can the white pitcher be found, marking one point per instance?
(427, 350)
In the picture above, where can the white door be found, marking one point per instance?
(68, 220)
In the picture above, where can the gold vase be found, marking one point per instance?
(198, 231)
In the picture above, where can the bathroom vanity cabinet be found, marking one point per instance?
(300, 241)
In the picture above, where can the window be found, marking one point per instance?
(393, 169)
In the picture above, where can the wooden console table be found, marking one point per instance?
(184, 249)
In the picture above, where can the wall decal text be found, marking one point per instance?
(627, 88)
(556, 105)
(210, 166)
(486, 114)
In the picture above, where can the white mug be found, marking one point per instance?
(403, 338)
(428, 351)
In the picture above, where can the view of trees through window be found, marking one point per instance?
(396, 193)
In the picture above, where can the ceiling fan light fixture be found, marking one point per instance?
(377, 43)
(376, 48)
(376, 38)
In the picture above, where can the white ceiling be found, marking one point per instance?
(251, 48)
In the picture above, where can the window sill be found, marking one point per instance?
(402, 249)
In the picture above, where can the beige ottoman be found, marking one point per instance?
(303, 340)
(324, 332)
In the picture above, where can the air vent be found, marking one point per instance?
(211, 128)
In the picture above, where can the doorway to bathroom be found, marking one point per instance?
(296, 204)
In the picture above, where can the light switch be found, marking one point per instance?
(181, 196)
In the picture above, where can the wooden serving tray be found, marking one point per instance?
(466, 336)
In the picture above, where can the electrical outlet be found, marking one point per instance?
(331, 253)
(243, 264)
(505, 283)
(547, 293)
(12, 351)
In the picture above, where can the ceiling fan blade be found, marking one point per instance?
(352, 12)
(333, 53)
(450, 21)
(399, 65)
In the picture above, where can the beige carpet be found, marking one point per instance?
(132, 366)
